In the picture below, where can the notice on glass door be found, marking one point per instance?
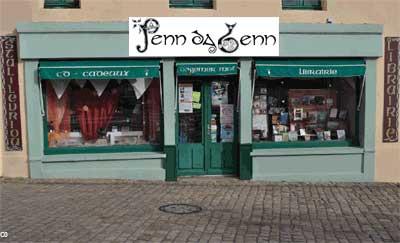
(185, 98)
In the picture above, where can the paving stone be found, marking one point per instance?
(233, 211)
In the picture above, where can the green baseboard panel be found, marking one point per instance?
(144, 168)
(343, 167)
(170, 163)
(246, 166)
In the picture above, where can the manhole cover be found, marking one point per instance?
(180, 208)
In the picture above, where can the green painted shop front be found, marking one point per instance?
(237, 154)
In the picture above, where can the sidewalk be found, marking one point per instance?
(232, 211)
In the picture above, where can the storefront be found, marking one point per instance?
(93, 112)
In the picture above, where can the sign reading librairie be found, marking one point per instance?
(391, 90)
(10, 90)
(203, 36)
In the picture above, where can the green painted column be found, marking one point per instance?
(169, 103)
(370, 119)
(34, 119)
(245, 168)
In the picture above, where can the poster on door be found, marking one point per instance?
(226, 119)
(185, 98)
(219, 93)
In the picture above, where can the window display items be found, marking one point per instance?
(305, 112)
(260, 118)
(341, 135)
(312, 116)
(343, 115)
(298, 114)
(321, 116)
(333, 113)
(332, 125)
(285, 137)
(284, 118)
(320, 135)
(278, 138)
(327, 135)
(111, 114)
(293, 136)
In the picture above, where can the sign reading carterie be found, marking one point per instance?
(205, 37)
(391, 89)
(10, 90)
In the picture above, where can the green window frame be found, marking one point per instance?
(191, 3)
(48, 70)
(61, 4)
(98, 149)
(302, 4)
(280, 68)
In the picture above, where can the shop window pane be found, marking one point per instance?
(87, 113)
(293, 110)
(191, 3)
(61, 4)
(302, 4)
(190, 113)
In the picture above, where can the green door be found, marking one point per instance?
(207, 127)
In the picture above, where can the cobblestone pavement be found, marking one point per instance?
(233, 211)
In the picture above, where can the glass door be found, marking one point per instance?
(206, 127)
(191, 132)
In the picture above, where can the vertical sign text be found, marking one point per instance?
(10, 90)
(391, 90)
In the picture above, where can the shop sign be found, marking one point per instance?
(203, 37)
(391, 90)
(206, 69)
(95, 73)
(10, 90)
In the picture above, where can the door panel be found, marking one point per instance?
(198, 156)
(185, 156)
(190, 156)
(228, 155)
(216, 156)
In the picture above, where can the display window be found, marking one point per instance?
(307, 102)
(304, 110)
(108, 112)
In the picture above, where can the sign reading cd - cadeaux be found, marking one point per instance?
(203, 36)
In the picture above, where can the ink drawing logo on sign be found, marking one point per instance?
(213, 36)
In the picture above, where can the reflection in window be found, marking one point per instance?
(102, 112)
(191, 3)
(302, 4)
(61, 3)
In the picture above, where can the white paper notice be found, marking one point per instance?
(226, 113)
(260, 122)
(185, 98)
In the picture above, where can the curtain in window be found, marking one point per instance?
(152, 111)
(95, 113)
(58, 110)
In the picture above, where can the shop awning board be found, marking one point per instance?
(310, 68)
(99, 69)
(206, 68)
